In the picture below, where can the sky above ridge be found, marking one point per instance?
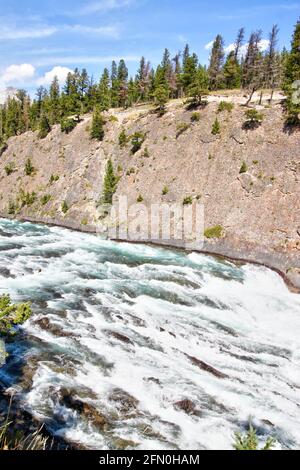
(43, 38)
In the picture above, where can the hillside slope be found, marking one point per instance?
(259, 209)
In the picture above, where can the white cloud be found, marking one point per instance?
(32, 32)
(17, 73)
(104, 5)
(209, 45)
(104, 31)
(263, 46)
(59, 72)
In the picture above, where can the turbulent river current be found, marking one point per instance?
(131, 346)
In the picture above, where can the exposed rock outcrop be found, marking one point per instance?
(259, 211)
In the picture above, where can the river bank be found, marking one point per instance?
(136, 346)
(241, 253)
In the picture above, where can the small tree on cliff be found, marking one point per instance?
(110, 183)
(44, 127)
(97, 130)
(161, 97)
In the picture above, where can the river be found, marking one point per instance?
(132, 346)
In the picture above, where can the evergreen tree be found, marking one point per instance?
(143, 79)
(273, 64)
(104, 91)
(177, 75)
(253, 67)
(292, 77)
(199, 87)
(97, 130)
(189, 72)
(122, 80)
(54, 102)
(186, 55)
(114, 85)
(12, 118)
(110, 184)
(239, 43)
(44, 127)
(232, 72)
(216, 64)
(161, 97)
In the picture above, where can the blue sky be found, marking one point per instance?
(39, 38)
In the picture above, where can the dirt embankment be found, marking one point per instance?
(258, 209)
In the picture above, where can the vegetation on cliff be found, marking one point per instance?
(182, 76)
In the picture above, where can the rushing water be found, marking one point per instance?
(129, 330)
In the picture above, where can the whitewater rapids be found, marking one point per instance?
(195, 344)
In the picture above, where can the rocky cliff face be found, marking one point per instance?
(258, 209)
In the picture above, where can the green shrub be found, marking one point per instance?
(137, 141)
(181, 128)
(26, 198)
(140, 199)
(113, 118)
(12, 208)
(249, 441)
(84, 221)
(97, 129)
(122, 138)
(244, 168)
(10, 168)
(110, 183)
(45, 199)
(225, 106)
(12, 315)
(53, 179)
(188, 201)
(64, 207)
(29, 168)
(216, 127)
(131, 171)
(195, 117)
(165, 191)
(67, 125)
(253, 119)
(214, 232)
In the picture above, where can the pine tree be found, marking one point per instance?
(189, 72)
(161, 97)
(143, 79)
(232, 72)
(110, 184)
(177, 75)
(104, 91)
(292, 78)
(12, 118)
(239, 43)
(216, 64)
(114, 85)
(199, 88)
(54, 102)
(273, 72)
(44, 127)
(253, 67)
(122, 80)
(97, 130)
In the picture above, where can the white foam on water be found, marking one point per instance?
(137, 316)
